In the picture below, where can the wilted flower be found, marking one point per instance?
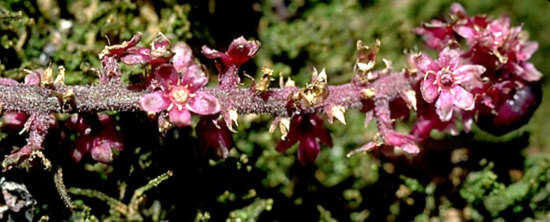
(118, 51)
(214, 135)
(159, 53)
(446, 80)
(306, 129)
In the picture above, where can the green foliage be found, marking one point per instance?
(530, 193)
(251, 212)
(76, 42)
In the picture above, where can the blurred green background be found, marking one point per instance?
(474, 176)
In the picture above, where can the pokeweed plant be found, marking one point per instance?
(482, 74)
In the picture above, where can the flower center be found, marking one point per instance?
(179, 94)
(446, 79)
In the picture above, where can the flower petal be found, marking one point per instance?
(444, 105)
(154, 102)
(180, 118)
(203, 104)
(449, 57)
(424, 64)
(458, 10)
(323, 135)
(429, 88)
(9, 82)
(308, 150)
(102, 152)
(183, 57)
(466, 31)
(526, 50)
(527, 71)
(134, 59)
(468, 119)
(410, 148)
(194, 78)
(285, 144)
(32, 79)
(467, 73)
(211, 53)
(166, 75)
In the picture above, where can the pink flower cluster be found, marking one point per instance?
(482, 71)
(178, 90)
(103, 142)
(478, 80)
(174, 82)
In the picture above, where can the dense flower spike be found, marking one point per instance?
(308, 130)
(446, 82)
(490, 78)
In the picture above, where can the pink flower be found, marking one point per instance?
(306, 129)
(436, 34)
(102, 145)
(180, 96)
(495, 41)
(14, 121)
(517, 52)
(428, 120)
(445, 81)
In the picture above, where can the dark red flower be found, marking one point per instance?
(307, 130)
(214, 135)
(510, 105)
(239, 52)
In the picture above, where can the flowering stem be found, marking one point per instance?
(113, 96)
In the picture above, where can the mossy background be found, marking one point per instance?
(474, 176)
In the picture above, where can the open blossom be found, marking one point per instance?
(445, 81)
(495, 41)
(518, 51)
(180, 96)
(306, 129)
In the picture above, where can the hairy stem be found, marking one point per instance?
(113, 96)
